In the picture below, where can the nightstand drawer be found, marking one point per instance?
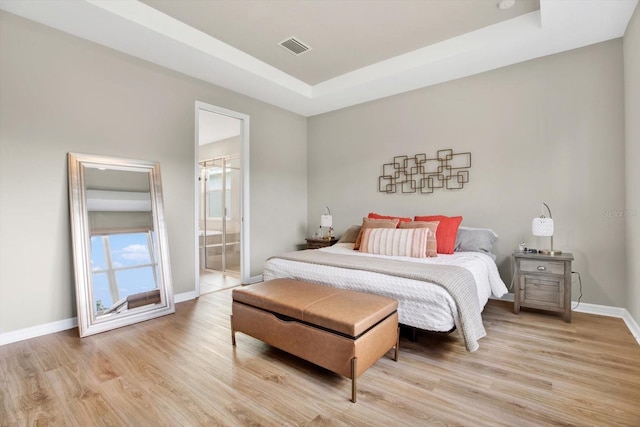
(539, 266)
(542, 291)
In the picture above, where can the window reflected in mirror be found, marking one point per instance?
(119, 236)
(123, 270)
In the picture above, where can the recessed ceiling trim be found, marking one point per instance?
(148, 34)
(484, 40)
(168, 26)
(557, 27)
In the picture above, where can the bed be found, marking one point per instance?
(421, 304)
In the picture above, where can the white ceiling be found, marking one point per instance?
(361, 49)
(344, 35)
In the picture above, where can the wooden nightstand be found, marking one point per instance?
(320, 243)
(543, 282)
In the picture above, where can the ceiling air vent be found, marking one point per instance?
(295, 46)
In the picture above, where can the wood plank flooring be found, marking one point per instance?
(181, 370)
(214, 281)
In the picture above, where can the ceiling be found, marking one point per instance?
(361, 50)
(344, 35)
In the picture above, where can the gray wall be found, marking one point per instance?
(631, 44)
(550, 129)
(62, 94)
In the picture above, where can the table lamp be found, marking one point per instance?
(326, 220)
(543, 227)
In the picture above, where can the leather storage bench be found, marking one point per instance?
(341, 330)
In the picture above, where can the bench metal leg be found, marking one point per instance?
(233, 332)
(395, 353)
(354, 364)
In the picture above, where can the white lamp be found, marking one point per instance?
(326, 220)
(543, 226)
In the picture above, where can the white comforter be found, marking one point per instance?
(425, 307)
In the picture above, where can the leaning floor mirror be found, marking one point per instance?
(119, 238)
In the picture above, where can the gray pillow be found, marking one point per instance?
(476, 240)
(350, 235)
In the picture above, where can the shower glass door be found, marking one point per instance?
(220, 215)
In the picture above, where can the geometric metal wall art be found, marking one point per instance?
(419, 174)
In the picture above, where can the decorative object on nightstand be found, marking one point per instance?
(313, 243)
(326, 221)
(543, 226)
(543, 282)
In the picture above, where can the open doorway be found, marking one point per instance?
(220, 202)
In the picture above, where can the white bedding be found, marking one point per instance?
(425, 307)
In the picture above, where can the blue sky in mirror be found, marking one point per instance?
(129, 263)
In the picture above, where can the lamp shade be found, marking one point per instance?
(542, 227)
(326, 221)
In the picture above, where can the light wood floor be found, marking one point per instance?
(181, 370)
(213, 281)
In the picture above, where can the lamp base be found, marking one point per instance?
(550, 252)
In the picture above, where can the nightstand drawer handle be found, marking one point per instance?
(541, 268)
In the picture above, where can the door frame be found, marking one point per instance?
(245, 259)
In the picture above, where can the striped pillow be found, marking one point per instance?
(432, 243)
(411, 242)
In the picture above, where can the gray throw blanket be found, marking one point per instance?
(457, 281)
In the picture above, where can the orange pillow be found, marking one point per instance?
(374, 215)
(373, 223)
(446, 232)
(432, 244)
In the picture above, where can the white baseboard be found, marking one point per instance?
(36, 331)
(505, 297)
(63, 325)
(605, 310)
(256, 279)
(602, 310)
(185, 296)
(632, 325)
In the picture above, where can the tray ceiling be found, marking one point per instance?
(360, 50)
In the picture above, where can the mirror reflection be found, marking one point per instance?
(123, 272)
(119, 242)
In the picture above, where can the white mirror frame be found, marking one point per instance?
(88, 324)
